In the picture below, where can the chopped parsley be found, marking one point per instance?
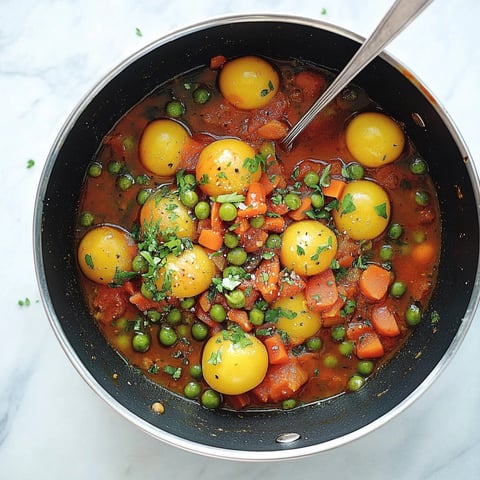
(89, 261)
(347, 204)
(381, 210)
(30, 163)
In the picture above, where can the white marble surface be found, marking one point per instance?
(51, 424)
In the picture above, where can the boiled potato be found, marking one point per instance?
(234, 362)
(227, 166)
(187, 274)
(308, 247)
(296, 319)
(166, 215)
(103, 251)
(364, 210)
(248, 82)
(161, 145)
(374, 139)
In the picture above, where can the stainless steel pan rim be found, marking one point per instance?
(289, 450)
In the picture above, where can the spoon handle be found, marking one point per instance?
(401, 13)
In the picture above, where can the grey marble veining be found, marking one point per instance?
(51, 424)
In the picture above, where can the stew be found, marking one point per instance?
(244, 276)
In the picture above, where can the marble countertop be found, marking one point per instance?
(52, 425)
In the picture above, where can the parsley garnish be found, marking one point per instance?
(272, 315)
(30, 163)
(381, 210)
(89, 261)
(253, 164)
(347, 204)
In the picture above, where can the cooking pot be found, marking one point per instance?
(264, 435)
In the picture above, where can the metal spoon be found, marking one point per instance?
(401, 13)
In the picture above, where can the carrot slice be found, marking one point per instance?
(321, 291)
(217, 62)
(267, 278)
(204, 302)
(356, 329)
(273, 130)
(423, 253)
(277, 352)
(143, 303)
(384, 321)
(211, 239)
(253, 239)
(300, 213)
(369, 346)
(332, 316)
(290, 284)
(240, 317)
(216, 221)
(255, 201)
(374, 282)
(274, 224)
(335, 189)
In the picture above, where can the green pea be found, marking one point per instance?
(190, 180)
(153, 315)
(314, 344)
(237, 256)
(346, 348)
(187, 303)
(167, 336)
(422, 198)
(141, 342)
(210, 399)
(257, 222)
(142, 196)
(355, 383)
(202, 210)
(195, 371)
(395, 231)
(192, 390)
(114, 167)
(125, 181)
(289, 404)
(267, 149)
(330, 361)
(183, 330)
(147, 290)
(418, 166)
(227, 211)
(95, 169)
(218, 313)
(189, 198)
(274, 241)
(365, 367)
(175, 108)
(413, 315)
(338, 332)
(355, 171)
(292, 201)
(201, 95)
(230, 240)
(199, 331)
(386, 252)
(398, 289)
(139, 264)
(235, 299)
(311, 179)
(86, 219)
(233, 271)
(419, 236)
(318, 200)
(350, 306)
(174, 316)
(256, 316)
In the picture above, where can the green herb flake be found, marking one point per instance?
(24, 303)
(229, 198)
(272, 315)
(215, 358)
(347, 204)
(138, 32)
(300, 250)
(89, 261)
(381, 210)
(30, 163)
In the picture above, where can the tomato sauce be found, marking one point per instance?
(316, 369)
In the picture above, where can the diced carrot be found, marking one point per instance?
(277, 352)
(274, 224)
(281, 381)
(356, 329)
(310, 83)
(251, 297)
(277, 208)
(384, 321)
(423, 253)
(109, 303)
(240, 317)
(332, 315)
(255, 201)
(204, 302)
(144, 304)
(253, 239)
(374, 282)
(321, 291)
(216, 221)
(128, 287)
(335, 189)
(290, 284)
(241, 226)
(273, 176)
(273, 130)
(369, 345)
(217, 62)
(300, 213)
(267, 278)
(207, 320)
(211, 239)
